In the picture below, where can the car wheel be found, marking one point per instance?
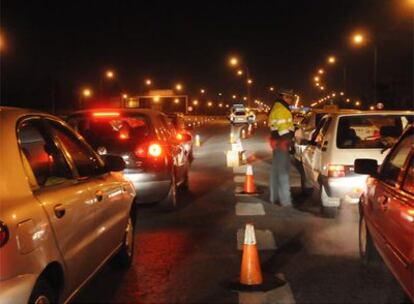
(42, 293)
(125, 256)
(328, 212)
(170, 202)
(367, 251)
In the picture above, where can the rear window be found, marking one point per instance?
(107, 130)
(364, 132)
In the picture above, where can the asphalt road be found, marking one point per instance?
(190, 255)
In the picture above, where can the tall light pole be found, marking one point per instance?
(234, 62)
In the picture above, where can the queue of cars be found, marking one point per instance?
(69, 193)
(367, 157)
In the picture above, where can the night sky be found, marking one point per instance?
(54, 48)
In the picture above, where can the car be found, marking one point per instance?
(306, 127)
(386, 207)
(64, 210)
(340, 138)
(238, 116)
(251, 116)
(156, 161)
(177, 119)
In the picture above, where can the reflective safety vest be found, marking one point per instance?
(280, 119)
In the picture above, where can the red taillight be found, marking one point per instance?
(123, 135)
(155, 150)
(336, 170)
(106, 114)
(179, 136)
(4, 234)
(151, 150)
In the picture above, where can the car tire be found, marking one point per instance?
(367, 251)
(327, 212)
(170, 202)
(42, 293)
(125, 256)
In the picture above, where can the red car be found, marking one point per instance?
(387, 211)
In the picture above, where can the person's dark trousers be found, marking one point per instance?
(279, 177)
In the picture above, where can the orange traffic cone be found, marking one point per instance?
(251, 277)
(250, 273)
(249, 186)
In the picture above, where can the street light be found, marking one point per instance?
(271, 89)
(178, 86)
(234, 96)
(110, 74)
(233, 61)
(240, 72)
(148, 82)
(176, 101)
(209, 104)
(358, 39)
(316, 78)
(357, 103)
(124, 96)
(202, 91)
(195, 102)
(86, 92)
(249, 81)
(321, 71)
(331, 59)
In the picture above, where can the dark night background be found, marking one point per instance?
(54, 48)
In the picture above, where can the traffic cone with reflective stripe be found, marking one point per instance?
(251, 278)
(249, 186)
(250, 273)
(197, 141)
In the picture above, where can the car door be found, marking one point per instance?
(312, 154)
(108, 194)
(390, 221)
(67, 202)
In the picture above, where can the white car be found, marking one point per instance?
(239, 116)
(306, 127)
(339, 139)
(64, 212)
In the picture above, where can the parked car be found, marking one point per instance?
(156, 161)
(386, 208)
(64, 211)
(177, 119)
(340, 138)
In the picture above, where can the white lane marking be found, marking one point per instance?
(252, 297)
(264, 239)
(239, 179)
(282, 294)
(240, 169)
(245, 209)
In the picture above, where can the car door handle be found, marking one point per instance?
(99, 195)
(383, 201)
(59, 210)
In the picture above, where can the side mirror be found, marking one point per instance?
(114, 163)
(366, 166)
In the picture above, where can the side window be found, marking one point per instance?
(395, 161)
(85, 161)
(41, 156)
(408, 184)
(321, 130)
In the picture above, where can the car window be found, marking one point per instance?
(395, 161)
(45, 160)
(116, 132)
(408, 183)
(321, 130)
(364, 132)
(167, 127)
(85, 161)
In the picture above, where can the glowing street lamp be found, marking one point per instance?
(209, 104)
(195, 102)
(358, 39)
(176, 101)
(124, 96)
(331, 59)
(321, 71)
(316, 78)
(202, 91)
(322, 88)
(240, 72)
(148, 82)
(156, 98)
(317, 84)
(233, 61)
(109, 74)
(357, 103)
(178, 86)
(86, 92)
(271, 89)
(249, 81)
(234, 96)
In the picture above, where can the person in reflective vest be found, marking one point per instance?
(280, 122)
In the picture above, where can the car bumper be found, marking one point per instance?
(17, 289)
(348, 189)
(150, 187)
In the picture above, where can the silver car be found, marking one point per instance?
(64, 212)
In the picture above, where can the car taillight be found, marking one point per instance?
(4, 234)
(152, 150)
(106, 114)
(179, 136)
(336, 170)
(155, 150)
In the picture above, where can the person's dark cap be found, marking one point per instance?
(286, 92)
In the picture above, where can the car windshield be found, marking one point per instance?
(240, 113)
(370, 131)
(116, 131)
